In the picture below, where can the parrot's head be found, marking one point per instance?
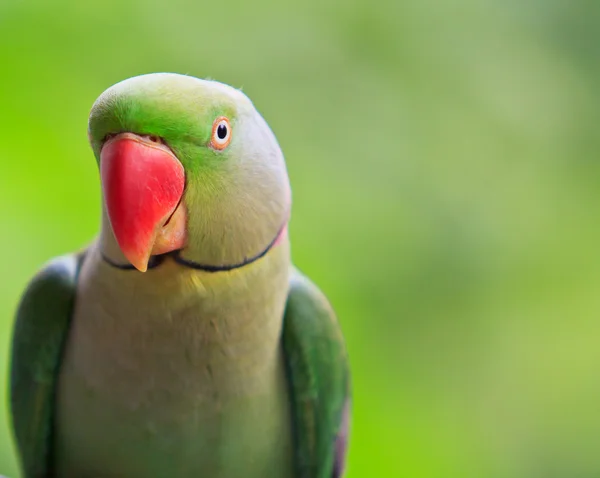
(188, 168)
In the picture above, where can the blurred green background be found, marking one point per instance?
(444, 162)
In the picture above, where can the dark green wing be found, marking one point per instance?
(41, 326)
(320, 381)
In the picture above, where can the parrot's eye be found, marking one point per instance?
(221, 133)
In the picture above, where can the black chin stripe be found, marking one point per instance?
(155, 261)
(228, 267)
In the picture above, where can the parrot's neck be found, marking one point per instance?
(227, 324)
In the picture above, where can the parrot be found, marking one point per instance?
(181, 341)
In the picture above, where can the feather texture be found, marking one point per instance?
(40, 331)
(319, 378)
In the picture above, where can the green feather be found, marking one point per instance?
(319, 376)
(40, 331)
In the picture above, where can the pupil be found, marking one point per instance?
(222, 131)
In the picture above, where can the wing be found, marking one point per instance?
(41, 326)
(319, 375)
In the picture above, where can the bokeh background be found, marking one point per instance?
(446, 177)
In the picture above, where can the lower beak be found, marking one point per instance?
(142, 183)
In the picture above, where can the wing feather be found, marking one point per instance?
(319, 376)
(40, 330)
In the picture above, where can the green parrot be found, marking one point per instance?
(182, 342)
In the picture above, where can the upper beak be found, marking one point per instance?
(143, 183)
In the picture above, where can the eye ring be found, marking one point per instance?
(221, 133)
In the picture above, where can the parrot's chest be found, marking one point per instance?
(185, 386)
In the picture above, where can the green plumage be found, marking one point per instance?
(318, 374)
(40, 331)
(178, 371)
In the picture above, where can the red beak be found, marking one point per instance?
(143, 182)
